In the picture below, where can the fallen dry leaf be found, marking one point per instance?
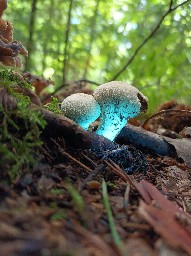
(138, 247)
(164, 249)
(182, 147)
(161, 214)
(165, 224)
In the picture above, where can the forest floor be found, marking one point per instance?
(73, 203)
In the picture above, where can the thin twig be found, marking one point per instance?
(126, 196)
(118, 170)
(119, 173)
(164, 112)
(91, 175)
(137, 226)
(169, 10)
(70, 157)
(90, 160)
(179, 5)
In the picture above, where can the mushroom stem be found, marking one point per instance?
(119, 102)
(113, 119)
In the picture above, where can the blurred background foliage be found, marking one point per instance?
(93, 39)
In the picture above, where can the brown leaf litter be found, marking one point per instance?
(58, 208)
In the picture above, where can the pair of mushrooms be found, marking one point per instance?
(115, 101)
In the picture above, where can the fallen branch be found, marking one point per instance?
(155, 143)
(73, 134)
(146, 139)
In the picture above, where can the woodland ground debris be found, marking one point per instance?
(57, 205)
(61, 200)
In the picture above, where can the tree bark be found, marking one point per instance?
(31, 34)
(48, 34)
(67, 34)
(73, 134)
(92, 36)
(145, 139)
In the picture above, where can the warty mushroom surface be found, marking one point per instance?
(81, 108)
(119, 102)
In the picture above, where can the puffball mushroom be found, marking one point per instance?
(119, 102)
(81, 108)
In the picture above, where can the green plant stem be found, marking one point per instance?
(76, 197)
(113, 229)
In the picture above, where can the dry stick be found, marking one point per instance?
(170, 10)
(91, 175)
(126, 196)
(146, 139)
(70, 157)
(90, 160)
(121, 172)
(118, 172)
(164, 112)
(75, 136)
(145, 227)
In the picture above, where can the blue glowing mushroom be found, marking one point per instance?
(119, 102)
(81, 108)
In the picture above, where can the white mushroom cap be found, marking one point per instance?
(81, 108)
(119, 101)
(116, 91)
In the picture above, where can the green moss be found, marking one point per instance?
(10, 77)
(76, 198)
(58, 216)
(19, 129)
(53, 106)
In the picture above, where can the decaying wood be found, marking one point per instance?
(143, 138)
(155, 143)
(73, 134)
